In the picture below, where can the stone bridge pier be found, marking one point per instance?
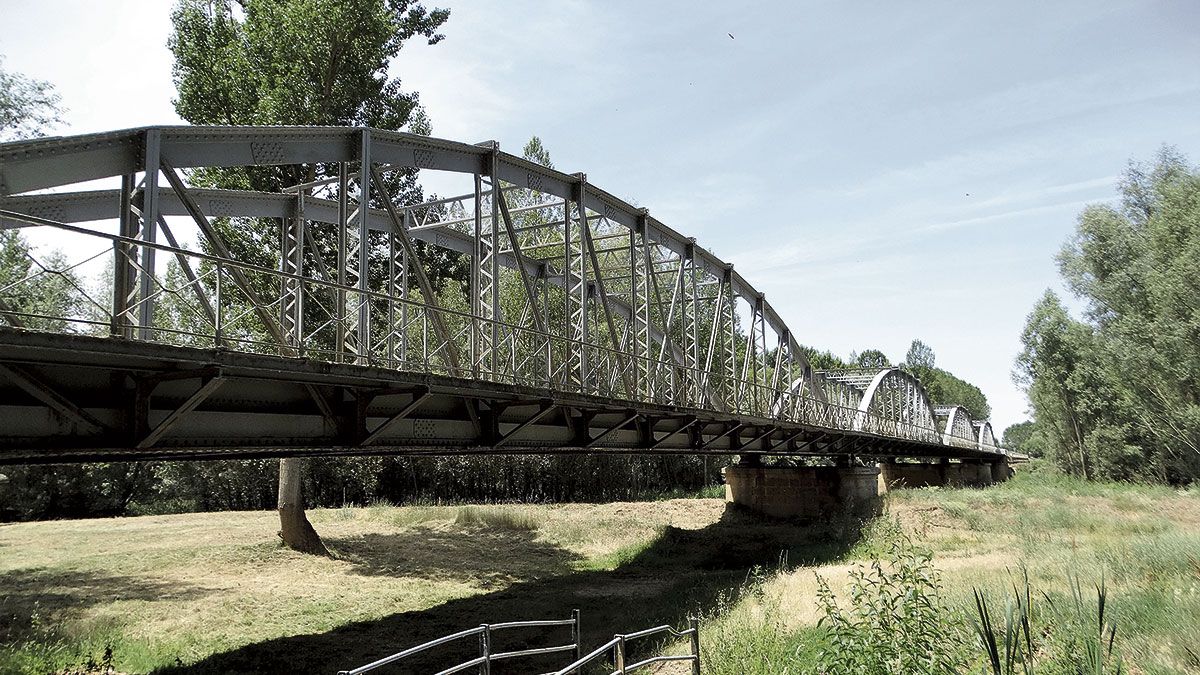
(803, 492)
(810, 492)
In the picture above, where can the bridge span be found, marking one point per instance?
(315, 313)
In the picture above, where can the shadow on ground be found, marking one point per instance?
(471, 552)
(681, 573)
(37, 596)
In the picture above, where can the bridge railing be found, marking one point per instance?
(206, 300)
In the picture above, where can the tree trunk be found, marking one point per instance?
(295, 530)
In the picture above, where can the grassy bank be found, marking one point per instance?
(206, 593)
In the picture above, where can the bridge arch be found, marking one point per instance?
(987, 438)
(959, 429)
(896, 402)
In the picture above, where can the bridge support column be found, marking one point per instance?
(894, 474)
(803, 492)
(976, 473)
(1001, 471)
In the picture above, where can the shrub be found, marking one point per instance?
(894, 620)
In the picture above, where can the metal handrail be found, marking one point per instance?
(486, 657)
(617, 647)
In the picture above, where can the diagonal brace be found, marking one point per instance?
(218, 244)
(544, 408)
(46, 394)
(419, 397)
(210, 385)
(691, 421)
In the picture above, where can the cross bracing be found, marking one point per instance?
(602, 327)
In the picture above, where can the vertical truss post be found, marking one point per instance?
(639, 300)
(691, 313)
(363, 337)
(291, 262)
(732, 386)
(576, 365)
(397, 290)
(487, 289)
(343, 335)
(493, 268)
(653, 293)
(476, 276)
(405, 280)
(149, 229)
(124, 272)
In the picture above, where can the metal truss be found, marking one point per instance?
(572, 292)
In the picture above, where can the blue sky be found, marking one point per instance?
(881, 170)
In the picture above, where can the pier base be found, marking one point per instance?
(804, 492)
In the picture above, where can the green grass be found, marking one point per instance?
(1142, 541)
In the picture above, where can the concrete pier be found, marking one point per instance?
(804, 492)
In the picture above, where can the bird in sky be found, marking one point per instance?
(731, 36)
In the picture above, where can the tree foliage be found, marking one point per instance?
(943, 387)
(1118, 394)
(920, 355)
(296, 62)
(1020, 437)
(872, 359)
(27, 106)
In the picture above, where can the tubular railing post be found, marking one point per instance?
(619, 661)
(694, 624)
(485, 650)
(576, 636)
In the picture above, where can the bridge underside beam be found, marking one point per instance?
(267, 406)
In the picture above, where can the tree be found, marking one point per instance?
(945, 388)
(1019, 437)
(872, 359)
(1137, 266)
(1073, 401)
(27, 106)
(919, 355)
(823, 359)
(301, 62)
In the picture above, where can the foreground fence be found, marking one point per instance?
(615, 649)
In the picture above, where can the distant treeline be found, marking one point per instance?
(1117, 394)
(115, 489)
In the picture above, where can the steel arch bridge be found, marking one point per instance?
(583, 325)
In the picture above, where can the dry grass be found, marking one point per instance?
(217, 593)
(185, 586)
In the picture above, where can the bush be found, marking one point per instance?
(894, 620)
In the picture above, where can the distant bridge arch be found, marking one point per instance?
(958, 428)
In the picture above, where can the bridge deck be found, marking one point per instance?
(81, 398)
